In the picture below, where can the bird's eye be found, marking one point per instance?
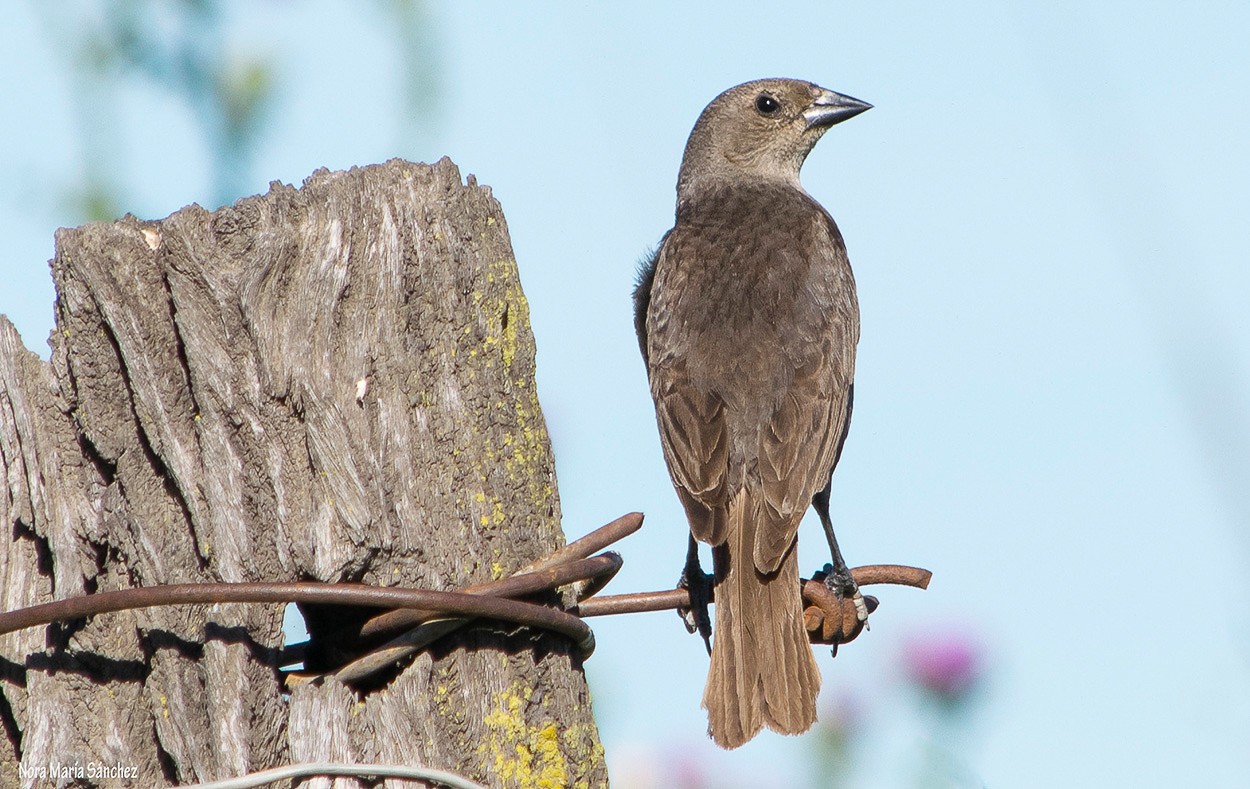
(766, 104)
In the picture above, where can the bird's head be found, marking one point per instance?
(762, 130)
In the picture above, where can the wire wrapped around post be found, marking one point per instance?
(417, 617)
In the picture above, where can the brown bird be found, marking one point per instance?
(748, 322)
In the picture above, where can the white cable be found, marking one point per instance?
(308, 769)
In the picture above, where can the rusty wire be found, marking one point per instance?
(300, 592)
(419, 616)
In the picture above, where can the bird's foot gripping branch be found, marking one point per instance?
(834, 619)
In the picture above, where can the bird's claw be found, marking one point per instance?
(861, 608)
(842, 583)
(695, 617)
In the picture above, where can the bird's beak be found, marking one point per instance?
(829, 108)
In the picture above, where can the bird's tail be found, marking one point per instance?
(763, 672)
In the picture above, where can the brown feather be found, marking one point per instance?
(762, 671)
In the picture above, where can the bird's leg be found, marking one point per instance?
(838, 577)
(699, 585)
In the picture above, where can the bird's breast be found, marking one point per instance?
(748, 290)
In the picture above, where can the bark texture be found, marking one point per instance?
(329, 383)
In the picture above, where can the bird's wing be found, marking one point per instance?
(796, 453)
(799, 443)
(693, 430)
(696, 446)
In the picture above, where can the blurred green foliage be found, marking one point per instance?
(183, 47)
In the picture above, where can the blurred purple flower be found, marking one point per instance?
(689, 773)
(947, 665)
(684, 768)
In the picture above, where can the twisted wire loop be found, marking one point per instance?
(417, 617)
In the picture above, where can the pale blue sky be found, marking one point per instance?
(1047, 216)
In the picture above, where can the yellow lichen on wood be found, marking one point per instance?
(522, 754)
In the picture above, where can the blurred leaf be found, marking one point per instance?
(244, 92)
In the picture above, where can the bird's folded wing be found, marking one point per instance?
(797, 447)
(696, 446)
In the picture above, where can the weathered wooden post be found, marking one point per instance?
(330, 383)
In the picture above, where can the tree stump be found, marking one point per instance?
(333, 383)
